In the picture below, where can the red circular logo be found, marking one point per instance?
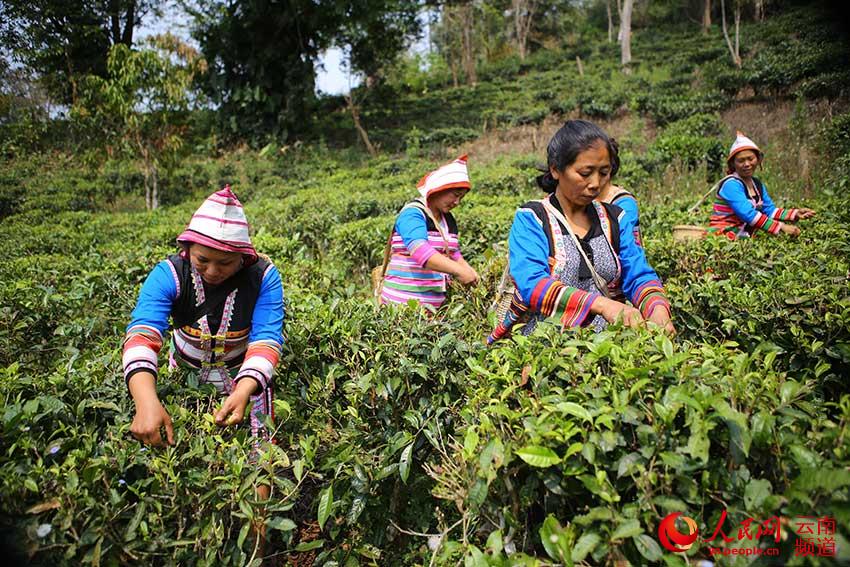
(667, 533)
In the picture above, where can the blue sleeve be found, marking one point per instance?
(735, 194)
(267, 321)
(768, 207)
(641, 284)
(412, 227)
(630, 206)
(529, 253)
(156, 299)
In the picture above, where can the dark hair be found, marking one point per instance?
(574, 137)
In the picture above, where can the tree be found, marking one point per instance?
(62, 40)
(262, 55)
(625, 35)
(523, 12)
(375, 32)
(139, 109)
(733, 49)
(760, 6)
(706, 16)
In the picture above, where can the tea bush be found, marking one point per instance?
(401, 438)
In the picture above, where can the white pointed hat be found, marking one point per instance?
(742, 143)
(220, 223)
(453, 175)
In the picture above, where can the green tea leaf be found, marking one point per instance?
(555, 541)
(627, 529)
(574, 409)
(281, 524)
(648, 547)
(585, 544)
(404, 463)
(538, 456)
(326, 502)
(310, 545)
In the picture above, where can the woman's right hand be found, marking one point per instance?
(466, 275)
(612, 310)
(150, 417)
(790, 229)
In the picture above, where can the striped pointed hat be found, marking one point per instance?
(220, 223)
(742, 143)
(453, 175)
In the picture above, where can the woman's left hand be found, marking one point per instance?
(805, 213)
(661, 317)
(233, 409)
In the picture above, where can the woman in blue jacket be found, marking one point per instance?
(570, 252)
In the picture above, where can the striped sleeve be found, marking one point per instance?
(265, 339)
(143, 338)
(412, 228)
(774, 212)
(735, 195)
(529, 263)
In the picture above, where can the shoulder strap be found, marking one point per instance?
(417, 204)
(544, 220)
(715, 187)
(420, 204)
(621, 194)
(600, 283)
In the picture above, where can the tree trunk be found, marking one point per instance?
(519, 6)
(355, 115)
(154, 188)
(737, 28)
(620, 20)
(124, 36)
(760, 10)
(706, 16)
(147, 188)
(114, 22)
(467, 22)
(580, 67)
(523, 18)
(453, 69)
(129, 24)
(626, 35)
(610, 21)
(735, 59)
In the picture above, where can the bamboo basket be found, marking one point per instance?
(685, 232)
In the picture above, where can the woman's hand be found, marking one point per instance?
(150, 417)
(459, 269)
(233, 409)
(661, 316)
(805, 213)
(790, 229)
(612, 310)
(466, 275)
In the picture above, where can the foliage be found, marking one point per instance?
(140, 108)
(564, 448)
(376, 32)
(63, 41)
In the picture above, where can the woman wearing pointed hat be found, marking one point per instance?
(226, 308)
(742, 205)
(425, 251)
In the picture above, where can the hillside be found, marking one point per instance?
(402, 439)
